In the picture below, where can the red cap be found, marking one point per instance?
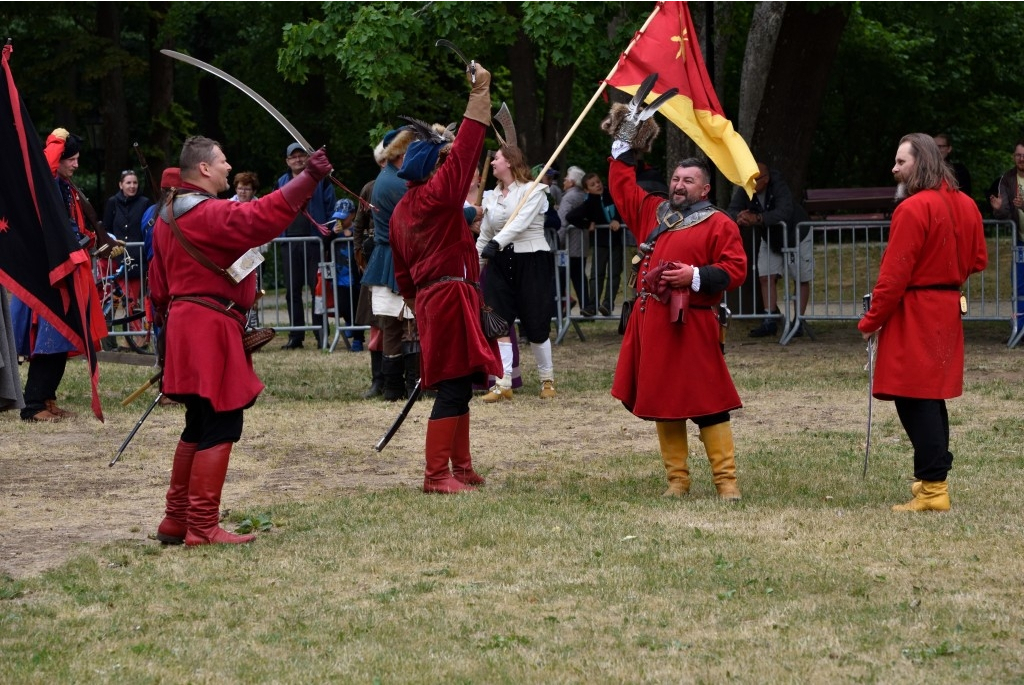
(171, 178)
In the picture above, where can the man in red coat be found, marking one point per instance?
(437, 269)
(936, 240)
(671, 366)
(205, 365)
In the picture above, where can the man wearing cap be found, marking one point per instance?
(301, 259)
(346, 273)
(46, 349)
(437, 269)
(206, 366)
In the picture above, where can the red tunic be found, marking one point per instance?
(936, 239)
(431, 240)
(204, 353)
(668, 370)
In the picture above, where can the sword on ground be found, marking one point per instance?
(413, 396)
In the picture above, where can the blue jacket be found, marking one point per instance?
(387, 191)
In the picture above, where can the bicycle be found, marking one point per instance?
(123, 314)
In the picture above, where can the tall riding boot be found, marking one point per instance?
(440, 438)
(393, 372)
(931, 495)
(717, 441)
(376, 364)
(172, 528)
(204, 488)
(462, 462)
(674, 451)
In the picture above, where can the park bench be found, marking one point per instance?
(850, 204)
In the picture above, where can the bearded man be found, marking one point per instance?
(437, 270)
(936, 240)
(672, 367)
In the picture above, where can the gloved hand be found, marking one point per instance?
(116, 251)
(61, 133)
(298, 190)
(479, 106)
(318, 165)
(490, 249)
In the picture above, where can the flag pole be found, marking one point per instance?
(586, 110)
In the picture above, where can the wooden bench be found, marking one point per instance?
(849, 204)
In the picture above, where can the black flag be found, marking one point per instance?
(41, 261)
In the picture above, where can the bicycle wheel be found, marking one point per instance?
(139, 335)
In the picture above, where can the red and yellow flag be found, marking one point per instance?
(668, 45)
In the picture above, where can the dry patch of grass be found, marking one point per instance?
(567, 567)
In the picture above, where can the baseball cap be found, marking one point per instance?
(343, 209)
(293, 148)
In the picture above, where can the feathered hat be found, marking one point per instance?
(425, 154)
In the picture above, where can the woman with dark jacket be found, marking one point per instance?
(122, 218)
(598, 216)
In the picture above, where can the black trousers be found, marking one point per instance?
(207, 427)
(453, 396)
(45, 372)
(927, 425)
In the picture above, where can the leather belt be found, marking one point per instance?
(449, 279)
(936, 286)
(217, 304)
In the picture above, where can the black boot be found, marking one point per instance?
(411, 357)
(377, 387)
(393, 371)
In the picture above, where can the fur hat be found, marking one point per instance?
(72, 146)
(397, 142)
(645, 134)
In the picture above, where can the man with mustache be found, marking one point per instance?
(672, 366)
(936, 240)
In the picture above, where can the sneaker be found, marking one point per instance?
(497, 394)
(766, 329)
(587, 313)
(547, 390)
(604, 311)
(357, 345)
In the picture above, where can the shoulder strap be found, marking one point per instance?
(192, 250)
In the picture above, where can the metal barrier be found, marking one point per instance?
(344, 297)
(286, 260)
(591, 272)
(847, 255)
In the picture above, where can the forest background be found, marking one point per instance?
(822, 91)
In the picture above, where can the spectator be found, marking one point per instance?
(936, 241)
(246, 184)
(963, 176)
(519, 282)
(346, 272)
(301, 259)
(362, 247)
(772, 206)
(574, 238)
(122, 217)
(603, 223)
(1008, 202)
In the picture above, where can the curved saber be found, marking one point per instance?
(298, 137)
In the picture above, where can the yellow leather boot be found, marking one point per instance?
(674, 451)
(933, 495)
(717, 441)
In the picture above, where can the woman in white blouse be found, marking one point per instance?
(520, 278)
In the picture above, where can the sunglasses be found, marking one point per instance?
(128, 172)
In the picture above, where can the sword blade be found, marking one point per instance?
(383, 442)
(280, 118)
(138, 425)
(871, 388)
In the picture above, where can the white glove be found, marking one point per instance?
(619, 148)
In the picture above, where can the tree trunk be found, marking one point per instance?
(159, 154)
(114, 109)
(757, 60)
(795, 88)
(558, 114)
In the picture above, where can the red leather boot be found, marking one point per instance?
(438, 477)
(462, 462)
(172, 528)
(204, 488)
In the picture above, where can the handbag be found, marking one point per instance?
(627, 309)
(255, 338)
(493, 324)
